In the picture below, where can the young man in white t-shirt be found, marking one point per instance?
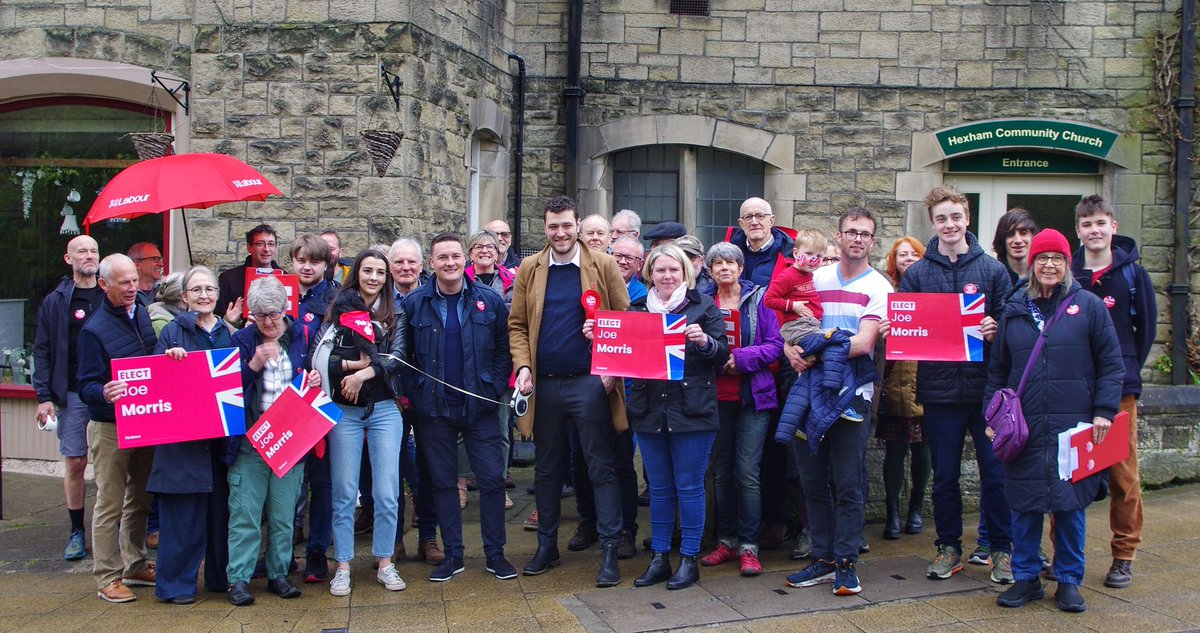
(854, 298)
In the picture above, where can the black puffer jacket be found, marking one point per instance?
(1076, 377)
(974, 272)
(691, 404)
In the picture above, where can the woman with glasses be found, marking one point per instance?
(483, 249)
(1077, 377)
(366, 385)
(189, 477)
(274, 350)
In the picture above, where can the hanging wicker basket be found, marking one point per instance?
(151, 144)
(382, 146)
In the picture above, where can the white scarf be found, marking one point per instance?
(658, 306)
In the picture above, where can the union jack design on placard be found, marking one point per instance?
(673, 336)
(317, 399)
(225, 368)
(973, 307)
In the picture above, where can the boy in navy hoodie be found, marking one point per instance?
(1106, 264)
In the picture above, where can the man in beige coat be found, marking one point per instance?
(549, 351)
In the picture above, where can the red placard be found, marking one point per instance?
(638, 345)
(299, 418)
(291, 283)
(733, 328)
(935, 326)
(167, 400)
(1088, 458)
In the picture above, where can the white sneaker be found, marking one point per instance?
(390, 579)
(340, 585)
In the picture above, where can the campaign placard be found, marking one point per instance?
(299, 418)
(733, 328)
(935, 326)
(638, 345)
(291, 283)
(168, 401)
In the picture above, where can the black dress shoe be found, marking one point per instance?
(180, 600)
(626, 547)
(610, 572)
(585, 536)
(283, 588)
(239, 594)
(1021, 593)
(1068, 598)
(543, 559)
(687, 574)
(657, 571)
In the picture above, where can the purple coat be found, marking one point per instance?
(756, 359)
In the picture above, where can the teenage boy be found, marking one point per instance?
(1106, 264)
(952, 392)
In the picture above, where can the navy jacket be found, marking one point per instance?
(487, 362)
(1076, 377)
(678, 406)
(761, 273)
(315, 303)
(1133, 310)
(186, 467)
(50, 345)
(296, 340)
(957, 382)
(813, 403)
(109, 334)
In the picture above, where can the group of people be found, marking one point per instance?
(779, 376)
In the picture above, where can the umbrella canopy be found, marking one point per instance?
(180, 181)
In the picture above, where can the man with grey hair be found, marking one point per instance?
(149, 262)
(508, 258)
(120, 328)
(763, 244)
(626, 223)
(55, 351)
(405, 258)
(594, 231)
(630, 255)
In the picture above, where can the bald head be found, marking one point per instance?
(83, 256)
(594, 231)
(504, 235)
(119, 280)
(756, 220)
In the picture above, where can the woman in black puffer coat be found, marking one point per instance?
(1076, 378)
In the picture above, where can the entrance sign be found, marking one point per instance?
(299, 418)
(168, 401)
(996, 134)
(1019, 162)
(935, 326)
(638, 345)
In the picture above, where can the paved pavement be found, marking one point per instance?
(41, 592)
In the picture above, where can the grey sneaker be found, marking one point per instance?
(980, 556)
(946, 563)
(803, 548)
(340, 585)
(390, 579)
(1002, 568)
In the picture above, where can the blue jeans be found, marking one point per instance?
(1070, 531)
(836, 524)
(737, 454)
(382, 431)
(675, 464)
(481, 438)
(946, 428)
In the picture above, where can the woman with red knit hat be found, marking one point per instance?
(1075, 377)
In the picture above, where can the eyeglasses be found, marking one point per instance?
(504, 235)
(154, 258)
(755, 217)
(263, 244)
(1053, 259)
(201, 291)
(264, 316)
(854, 236)
(483, 247)
(621, 257)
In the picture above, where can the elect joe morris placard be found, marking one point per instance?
(935, 326)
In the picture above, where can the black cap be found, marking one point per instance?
(665, 231)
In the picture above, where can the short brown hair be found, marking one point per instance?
(1091, 205)
(946, 193)
(312, 248)
(856, 213)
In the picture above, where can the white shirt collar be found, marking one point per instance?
(574, 260)
(767, 244)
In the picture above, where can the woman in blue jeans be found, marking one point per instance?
(357, 361)
(745, 396)
(676, 421)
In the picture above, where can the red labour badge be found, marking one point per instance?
(591, 303)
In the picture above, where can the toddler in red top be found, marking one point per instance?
(792, 292)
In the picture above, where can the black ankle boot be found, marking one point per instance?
(913, 524)
(657, 571)
(1021, 593)
(687, 574)
(610, 572)
(891, 527)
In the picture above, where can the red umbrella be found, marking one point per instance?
(179, 181)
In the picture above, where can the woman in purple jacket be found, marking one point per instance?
(745, 395)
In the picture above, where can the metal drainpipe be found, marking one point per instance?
(1180, 290)
(519, 152)
(573, 92)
